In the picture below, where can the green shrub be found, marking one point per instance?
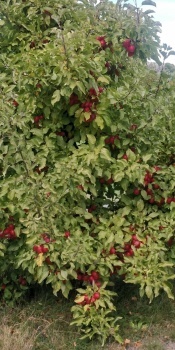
(87, 159)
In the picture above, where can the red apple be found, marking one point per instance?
(112, 250)
(96, 295)
(136, 244)
(125, 156)
(136, 191)
(126, 43)
(95, 275)
(67, 234)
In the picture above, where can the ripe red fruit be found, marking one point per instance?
(22, 281)
(60, 133)
(112, 140)
(110, 181)
(136, 244)
(95, 275)
(73, 100)
(32, 44)
(134, 238)
(66, 234)
(169, 200)
(107, 65)
(156, 186)
(87, 109)
(103, 43)
(151, 200)
(80, 187)
(44, 249)
(91, 279)
(125, 157)
(92, 300)
(98, 284)
(136, 191)
(131, 49)
(79, 277)
(107, 141)
(45, 237)
(162, 201)
(127, 246)
(170, 242)
(102, 180)
(11, 227)
(149, 191)
(92, 92)
(47, 260)
(96, 295)
(15, 103)
(38, 118)
(127, 43)
(12, 234)
(87, 299)
(100, 89)
(92, 208)
(38, 86)
(112, 250)
(85, 278)
(37, 249)
(157, 168)
(92, 117)
(129, 252)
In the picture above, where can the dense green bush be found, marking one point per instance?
(87, 163)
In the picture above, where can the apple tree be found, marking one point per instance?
(87, 159)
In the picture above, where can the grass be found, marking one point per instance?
(42, 323)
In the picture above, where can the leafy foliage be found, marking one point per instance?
(87, 154)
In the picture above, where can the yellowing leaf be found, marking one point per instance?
(40, 259)
(79, 299)
(91, 139)
(103, 80)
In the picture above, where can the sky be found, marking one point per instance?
(164, 13)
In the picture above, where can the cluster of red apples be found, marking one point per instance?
(89, 105)
(8, 232)
(129, 46)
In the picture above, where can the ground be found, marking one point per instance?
(42, 323)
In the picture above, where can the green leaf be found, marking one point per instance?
(105, 154)
(149, 292)
(146, 157)
(140, 205)
(168, 291)
(91, 139)
(171, 53)
(147, 12)
(118, 176)
(64, 274)
(81, 87)
(149, 3)
(55, 97)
